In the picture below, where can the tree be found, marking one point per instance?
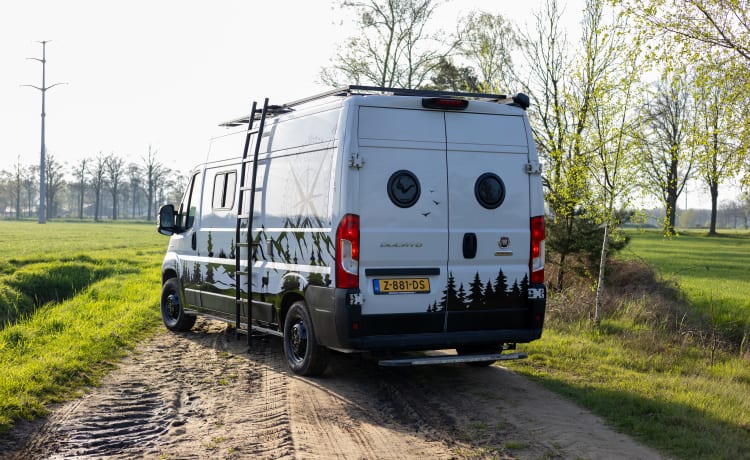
(31, 187)
(115, 170)
(449, 77)
(394, 47)
(98, 181)
(562, 90)
(79, 175)
(55, 183)
(612, 134)
(154, 172)
(667, 153)
(486, 43)
(717, 126)
(16, 186)
(135, 180)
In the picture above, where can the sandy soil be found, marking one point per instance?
(203, 395)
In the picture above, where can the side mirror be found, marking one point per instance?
(166, 220)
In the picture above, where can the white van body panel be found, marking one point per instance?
(444, 200)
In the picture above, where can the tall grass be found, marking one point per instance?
(80, 295)
(652, 368)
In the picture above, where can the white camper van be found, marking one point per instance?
(366, 219)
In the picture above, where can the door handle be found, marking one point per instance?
(470, 245)
(194, 241)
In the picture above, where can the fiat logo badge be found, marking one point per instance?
(504, 242)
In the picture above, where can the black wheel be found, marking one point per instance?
(172, 311)
(479, 350)
(303, 353)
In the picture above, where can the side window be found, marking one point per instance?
(224, 190)
(189, 205)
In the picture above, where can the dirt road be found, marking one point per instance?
(202, 395)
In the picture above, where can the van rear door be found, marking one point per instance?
(403, 206)
(489, 233)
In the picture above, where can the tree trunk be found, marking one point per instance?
(714, 187)
(600, 282)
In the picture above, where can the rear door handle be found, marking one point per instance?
(194, 241)
(470, 245)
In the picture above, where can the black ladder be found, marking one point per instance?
(247, 242)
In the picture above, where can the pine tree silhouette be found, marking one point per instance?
(449, 300)
(525, 287)
(501, 287)
(475, 295)
(461, 298)
(489, 295)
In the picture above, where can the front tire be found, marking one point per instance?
(303, 353)
(172, 308)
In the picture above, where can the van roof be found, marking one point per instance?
(520, 99)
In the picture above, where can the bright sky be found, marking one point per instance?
(165, 73)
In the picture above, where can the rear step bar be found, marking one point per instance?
(449, 359)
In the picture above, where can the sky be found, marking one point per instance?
(164, 73)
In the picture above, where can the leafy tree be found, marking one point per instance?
(449, 77)
(487, 42)
(394, 47)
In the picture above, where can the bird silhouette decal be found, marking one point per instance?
(401, 188)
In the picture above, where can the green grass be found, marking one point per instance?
(651, 369)
(713, 272)
(73, 298)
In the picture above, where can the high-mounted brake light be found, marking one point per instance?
(444, 103)
(347, 252)
(536, 261)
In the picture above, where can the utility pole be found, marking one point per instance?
(42, 166)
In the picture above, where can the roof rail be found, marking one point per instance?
(520, 100)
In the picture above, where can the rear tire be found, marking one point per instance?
(303, 353)
(172, 310)
(479, 350)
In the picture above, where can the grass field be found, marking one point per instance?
(713, 273)
(73, 298)
(652, 368)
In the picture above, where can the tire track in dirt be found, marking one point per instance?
(203, 394)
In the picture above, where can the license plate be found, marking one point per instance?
(401, 285)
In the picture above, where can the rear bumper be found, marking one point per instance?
(339, 324)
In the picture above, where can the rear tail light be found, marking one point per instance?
(536, 261)
(347, 252)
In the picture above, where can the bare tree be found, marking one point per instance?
(98, 181)
(15, 186)
(115, 168)
(135, 179)
(79, 174)
(55, 183)
(153, 171)
(668, 154)
(394, 47)
(31, 187)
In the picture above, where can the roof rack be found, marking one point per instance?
(520, 99)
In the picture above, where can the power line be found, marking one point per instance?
(42, 166)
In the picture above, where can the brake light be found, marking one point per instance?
(347, 252)
(444, 103)
(536, 261)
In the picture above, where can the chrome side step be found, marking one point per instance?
(450, 359)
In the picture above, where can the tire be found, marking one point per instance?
(303, 353)
(479, 350)
(172, 311)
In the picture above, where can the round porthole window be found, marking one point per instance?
(489, 190)
(403, 188)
